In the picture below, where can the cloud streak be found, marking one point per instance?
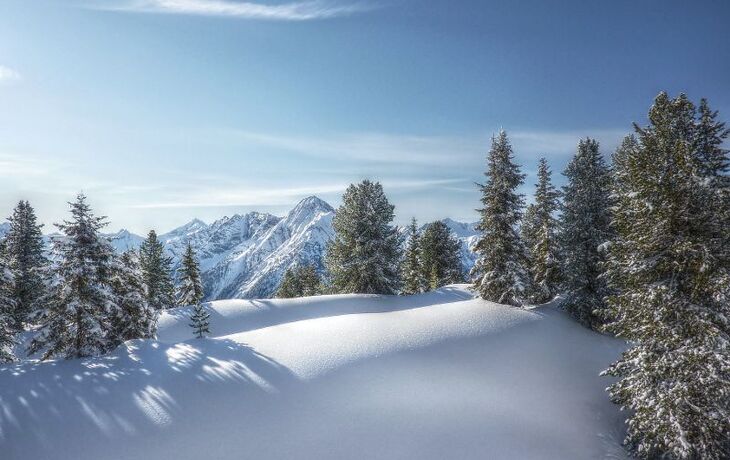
(19, 167)
(444, 151)
(374, 147)
(219, 197)
(293, 11)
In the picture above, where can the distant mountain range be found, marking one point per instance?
(245, 256)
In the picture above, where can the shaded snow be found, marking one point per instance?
(438, 375)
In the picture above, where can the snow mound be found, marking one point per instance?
(438, 375)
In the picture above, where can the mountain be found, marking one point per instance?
(4, 228)
(124, 240)
(255, 267)
(246, 255)
(212, 243)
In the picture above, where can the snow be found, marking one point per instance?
(4, 228)
(124, 240)
(437, 375)
(246, 255)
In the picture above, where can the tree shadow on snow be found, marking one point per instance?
(142, 386)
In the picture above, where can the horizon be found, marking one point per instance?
(110, 229)
(167, 111)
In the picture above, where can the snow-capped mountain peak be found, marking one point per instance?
(460, 229)
(124, 240)
(245, 255)
(255, 267)
(190, 228)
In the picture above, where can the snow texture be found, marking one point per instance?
(431, 376)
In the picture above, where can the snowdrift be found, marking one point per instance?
(438, 375)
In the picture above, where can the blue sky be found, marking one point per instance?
(165, 110)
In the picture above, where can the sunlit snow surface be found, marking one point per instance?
(434, 376)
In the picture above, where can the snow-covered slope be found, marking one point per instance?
(433, 376)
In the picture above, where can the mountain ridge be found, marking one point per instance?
(246, 255)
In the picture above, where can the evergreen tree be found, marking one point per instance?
(27, 263)
(156, 273)
(309, 280)
(669, 268)
(364, 255)
(530, 230)
(440, 264)
(544, 258)
(76, 323)
(708, 144)
(584, 228)
(411, 269)
(7, 308)
(500, 272)
(289, 286)
(190, 290)
(200, 321)
(300, 281)
(134, 318)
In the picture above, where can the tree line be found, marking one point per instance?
(84, 299)
(431, 259)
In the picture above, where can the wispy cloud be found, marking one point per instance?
(19, 167)
(7, 74)
(429, 150)
(226, 196)
(374, 147)
(292, 11)
(552, 143)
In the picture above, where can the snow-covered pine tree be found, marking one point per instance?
(191, 293)
(200, 321)
(709, 140)
(299, 281)
(309, 281)
(440, 261)
(544, 257)
(76, 322)
(134, 318)
(157, 273)
(530, 229)
(289, 286)
(669, 268)
(500, 273)
(364, 255)
(411, 269)
(190, 287)
(27, 262)
(585, 226)
(7, 308)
